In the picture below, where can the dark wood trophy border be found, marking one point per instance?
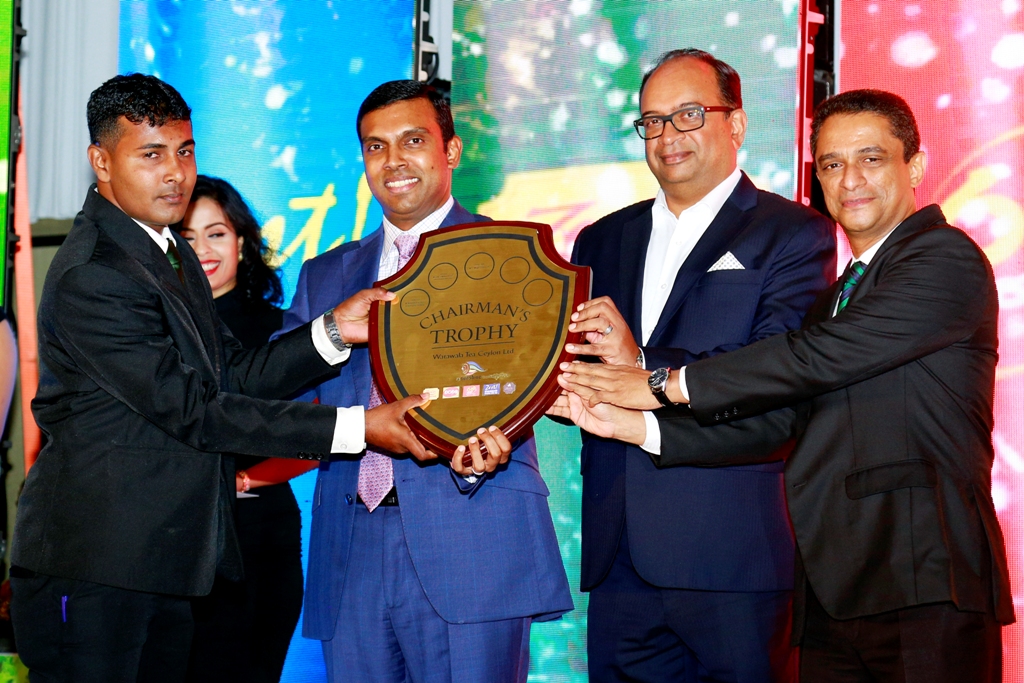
(533, 410)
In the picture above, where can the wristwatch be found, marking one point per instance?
(333, 333)
(657, 382)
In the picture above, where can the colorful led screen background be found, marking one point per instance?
(960, 65)
(543, 95)
(274, 89)
(6, 54)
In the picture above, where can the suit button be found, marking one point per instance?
(348, 498)
(735, 411)
(717, 417)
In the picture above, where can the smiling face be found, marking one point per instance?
(689, 165)
(213, 238)
(408, 169)
(150, 171)
(868, 187)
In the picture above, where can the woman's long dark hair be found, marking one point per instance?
(260, 284)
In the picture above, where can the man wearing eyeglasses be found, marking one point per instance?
(691, 570)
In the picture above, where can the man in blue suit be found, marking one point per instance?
(428, 583)
(691, 570)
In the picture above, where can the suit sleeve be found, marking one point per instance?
(754, 440)
(115, 331)
(294, 317)
(929, 295)
(799, 272)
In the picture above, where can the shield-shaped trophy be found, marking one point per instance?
(480, 324)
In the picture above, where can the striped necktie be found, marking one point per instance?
(174, 256)
(853, 276)
(376, 472)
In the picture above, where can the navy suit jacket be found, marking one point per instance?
(503, 531)
(721, 529)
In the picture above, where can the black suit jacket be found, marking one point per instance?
(701, 529)
(889, 484)
(141, 390)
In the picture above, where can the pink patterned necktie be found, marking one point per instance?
(376, 474)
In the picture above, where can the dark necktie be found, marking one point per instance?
(853, 276)
(174, 256)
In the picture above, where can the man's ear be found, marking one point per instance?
(918, 163)
(738, 126)
(454, 152)
(99, 159)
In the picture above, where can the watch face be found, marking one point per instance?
(657, 379)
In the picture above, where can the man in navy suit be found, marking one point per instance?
(428, 583)
(691, 570)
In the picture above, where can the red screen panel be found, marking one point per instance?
(960, 65)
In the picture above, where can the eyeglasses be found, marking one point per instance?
(684, 120)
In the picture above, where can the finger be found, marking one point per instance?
(376, 294)
(504, 446)
(457, 466)
(584, 392)
(477, 455)
(413, 445)
(596, 349)
(409, 402)
(591, 303)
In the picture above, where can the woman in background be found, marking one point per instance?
(242, 630)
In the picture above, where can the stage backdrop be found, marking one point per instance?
(544, 94)
(544, 97)
(274, 89)
(960, 65)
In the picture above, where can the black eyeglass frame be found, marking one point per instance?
(668, 119)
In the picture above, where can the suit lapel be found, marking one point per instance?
(633, 241)
(731, 220)
(359, 269)
(150, 263)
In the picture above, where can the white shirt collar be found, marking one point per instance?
(712, 202)
(161, 238)
(431, 222)
(870, 252)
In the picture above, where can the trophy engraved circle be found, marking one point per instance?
(515, 269)
(414, 302)
(442, 276)
(537, 292)
(479, 265)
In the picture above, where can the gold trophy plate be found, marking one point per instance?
(480, 324)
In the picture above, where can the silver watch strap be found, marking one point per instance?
(333, 333)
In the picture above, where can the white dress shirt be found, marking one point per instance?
(349, 427)
(864, 258)
(672, 240)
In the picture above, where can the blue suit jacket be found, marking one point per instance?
(722, 529)
(503, 531)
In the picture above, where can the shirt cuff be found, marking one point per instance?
(652, 442)
(325, 348)
(642, 359)
(682, 385)
(349, 431)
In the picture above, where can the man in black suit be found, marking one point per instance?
(889, 387)
(691, 569)
(126, 513)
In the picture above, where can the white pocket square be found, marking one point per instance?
(727, 262)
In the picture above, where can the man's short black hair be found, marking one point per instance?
(138, 98)
(400, 91)
(728, 79)
(885, 104)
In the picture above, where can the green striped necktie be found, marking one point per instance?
(853, 276)
(174, 256)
